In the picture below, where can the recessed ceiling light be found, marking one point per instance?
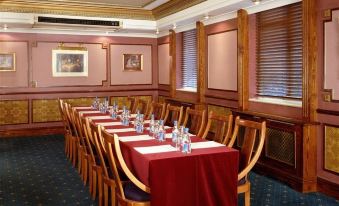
(256, 2)
(206, 16)
(5, 27)
(157, 32)
(174, 26)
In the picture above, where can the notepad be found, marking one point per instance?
(135, 138)
(109, 123)
(207, 144)
(99, 117)
(155, 149)
(82, 107)
(120, 130)
(88, 112)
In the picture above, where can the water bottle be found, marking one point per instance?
(114, 113)
(161, 131)
(151, 125)
(186, 142)
(175, 133)
(156, 130)
(140, 124)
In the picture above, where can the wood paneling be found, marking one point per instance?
(172, 40)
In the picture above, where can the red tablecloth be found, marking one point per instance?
(205, 177)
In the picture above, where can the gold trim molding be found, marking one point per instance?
(95, 10)
(59, 8)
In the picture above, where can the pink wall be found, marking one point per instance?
(164, 63)
(42, 66)
(222, 61)
(19, 77)
(331, 78)
(121, 77)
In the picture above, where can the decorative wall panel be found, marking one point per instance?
(331, 53)
(13, 112)
(122, 101)
(161, 99)
(119, 76)
(46, 110)
(331, 148)
(83, 101)
(164, 63)
(223, 61)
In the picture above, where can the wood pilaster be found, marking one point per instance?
(172, 52)
(201, 63)
(243, 59)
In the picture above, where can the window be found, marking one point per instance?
(189, 60)
(279, 52)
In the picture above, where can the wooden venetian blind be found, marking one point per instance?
(189, 59)
(279, 52)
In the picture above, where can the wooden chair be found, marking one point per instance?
(132, 104)
(218, 128)
(66, 125)
(158, 109)
(93, 168)
(74, 135)
(97, 164)
(83, 152)
(248, 155)
(194, 120)
(173, 113)
(128, 193)
(142, 105)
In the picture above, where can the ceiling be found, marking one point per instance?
(142, 18)
(117, 3)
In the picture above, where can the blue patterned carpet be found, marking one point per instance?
(35, 171)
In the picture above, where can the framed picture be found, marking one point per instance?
(69, 63)
(133, 62)
(7, 62)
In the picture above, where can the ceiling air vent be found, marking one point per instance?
(53, 20)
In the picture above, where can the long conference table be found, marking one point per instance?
(206, 176)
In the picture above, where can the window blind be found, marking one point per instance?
(189, 59)
(279, 52)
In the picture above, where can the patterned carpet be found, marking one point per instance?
(35, 171)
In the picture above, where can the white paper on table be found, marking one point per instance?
(88, 112)
(207, 144)
(109, 123)
(135, 138)
(99, 117)
(82, 107)
(155, 149)
(133, 115)
(120, 130)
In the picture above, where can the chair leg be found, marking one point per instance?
(100, 186)
(74, 152)
(79, 159)
(248, 197)
(105, 194)
(66, 143)
(113, 196)
(90, 176)
(94, 184)
(85, 169)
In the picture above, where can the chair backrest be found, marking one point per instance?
(194, 120)
(116, 160)
(218, 127)
(88, 137)
(132, 103)
(142, 105)
(124, 167)
(173, 113)
(68, 111)
(65, 121)
(158, 109)
(248, 158)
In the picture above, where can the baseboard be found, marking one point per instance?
(328, 188)
(32, 132)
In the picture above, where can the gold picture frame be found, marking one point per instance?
(133, 62)
(7, 62)
(69, 62)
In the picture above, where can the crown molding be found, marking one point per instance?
(172, 7)
(74, 9)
